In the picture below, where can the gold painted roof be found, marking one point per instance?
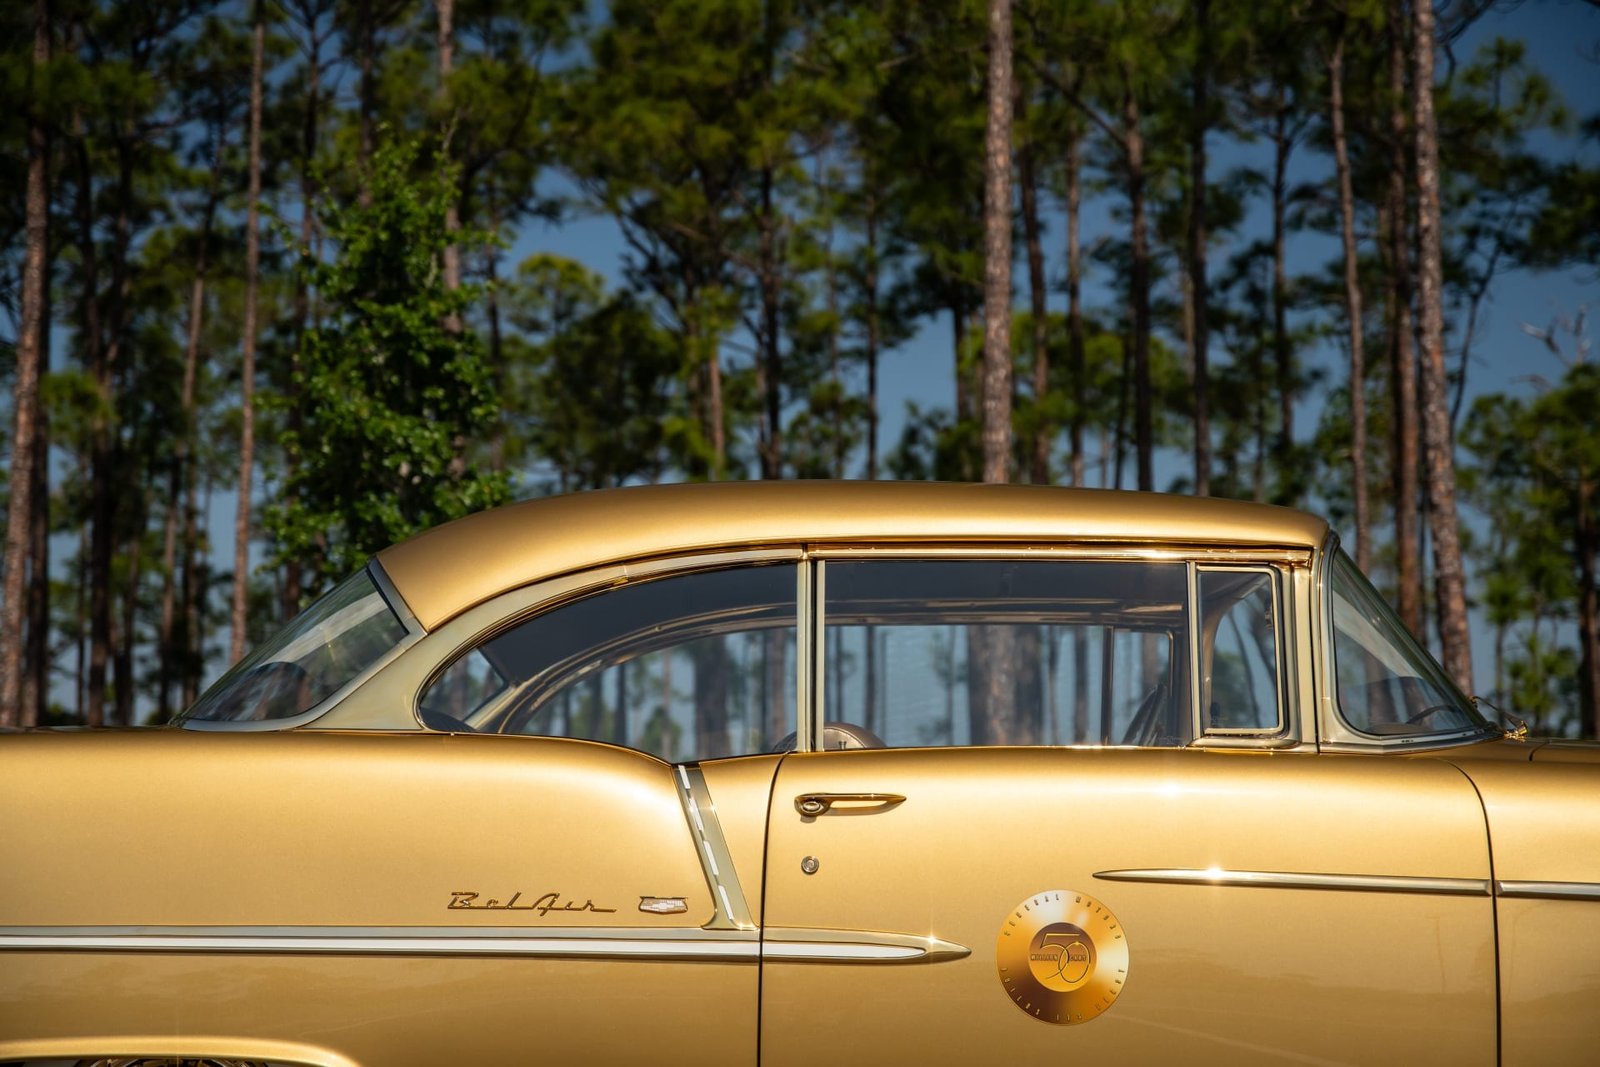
(446, 570)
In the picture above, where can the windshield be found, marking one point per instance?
(322, 650)
(1388, 684)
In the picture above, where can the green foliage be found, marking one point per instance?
(594, 388)
(1535, 473)
(392, 394)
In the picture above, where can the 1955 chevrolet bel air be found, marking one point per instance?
(815, 774)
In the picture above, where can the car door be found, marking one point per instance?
(1140, 896)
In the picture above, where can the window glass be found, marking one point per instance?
(1000, 652)
(1239, 652)
(691, 666)
(326, 646)
(1388, 685)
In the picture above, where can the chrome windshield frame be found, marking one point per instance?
(1335, 732)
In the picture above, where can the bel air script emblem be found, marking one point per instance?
(1062, 957)
(544, 905)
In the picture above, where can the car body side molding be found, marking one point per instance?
(836, 946)
(1372, 883)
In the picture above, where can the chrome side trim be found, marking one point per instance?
(732, 913)
(1548, 890)
(835, 946)
(561, 943)
(857, 946)
(1372, 883)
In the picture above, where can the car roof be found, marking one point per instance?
(449, 569)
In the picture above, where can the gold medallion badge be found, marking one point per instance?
(1062, 957)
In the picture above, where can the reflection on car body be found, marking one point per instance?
(803, 773)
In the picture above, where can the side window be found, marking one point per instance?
(1000, 652)
(1239, 687)
(685, 667)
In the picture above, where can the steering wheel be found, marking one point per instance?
(1431, 709)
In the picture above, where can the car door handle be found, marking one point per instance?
(848, 803)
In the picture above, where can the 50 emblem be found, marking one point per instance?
(1062, 957)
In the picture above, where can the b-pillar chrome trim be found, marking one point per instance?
(732, 913)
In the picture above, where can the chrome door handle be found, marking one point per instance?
(813, 804)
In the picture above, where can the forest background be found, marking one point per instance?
(287, 280)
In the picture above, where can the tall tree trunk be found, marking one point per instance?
(446, 10)
(1403, 382)
(194, 590)
(1043, 431)
(1449, 578)
(450, 259)
(310, 125)
(1282, 145)
(36, 679)
(771, 356)
(1352, 300)
(98, 556)
(997, 251)
(366, 34)
(719, 438)
(247, 370)
(81, 606)
(1139, 285)
(19, 518)
(1075, 339)
(1588, 544)
(1199, 292)
(872, 342)
(169, 656)
(36, 670)
(125, 684)
(993, 647)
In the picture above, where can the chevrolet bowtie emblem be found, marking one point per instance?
(662, 905)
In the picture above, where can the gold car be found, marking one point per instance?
(815, 774)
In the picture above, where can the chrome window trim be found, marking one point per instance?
(811, 665)
(1280, 732)
(390, 699)
(1197, 716)
(1336, 733)
(1110, 551)
(1277, 561)
(1381, 883)
(392, 597)
(413, 634)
